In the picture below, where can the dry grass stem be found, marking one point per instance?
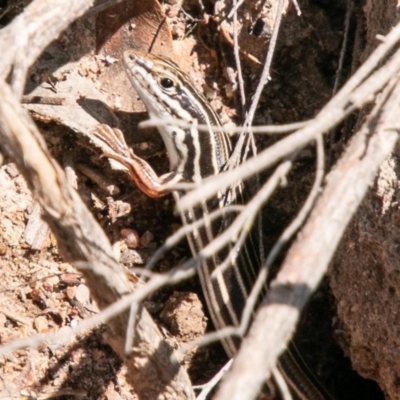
(308, 258)
(321, 220)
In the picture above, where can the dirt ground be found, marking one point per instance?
(349, 331)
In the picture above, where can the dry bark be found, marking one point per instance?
(152, 368)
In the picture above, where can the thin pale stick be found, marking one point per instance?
(69, 218)
(267, 129)
(305, 263)
(206, 388)
(335, 111)
(297, 7)
(285, 237)
(106, 314)
(281, 383)
(237, 57)
(339, 70)
(182, 233)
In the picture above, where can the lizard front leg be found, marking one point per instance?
(114, 147)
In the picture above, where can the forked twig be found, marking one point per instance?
(308, 258)
(358, 91)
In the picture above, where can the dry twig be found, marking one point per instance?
(69, 219)
(309, 257)
(75, 228)
(306, 262)
(358, 91)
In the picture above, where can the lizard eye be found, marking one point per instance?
(166, 83)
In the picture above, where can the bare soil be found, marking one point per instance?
(40, 293)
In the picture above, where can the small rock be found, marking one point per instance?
(131, 257)
(82, 294)
(146, 238)
(131, 238)
(3, 248)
